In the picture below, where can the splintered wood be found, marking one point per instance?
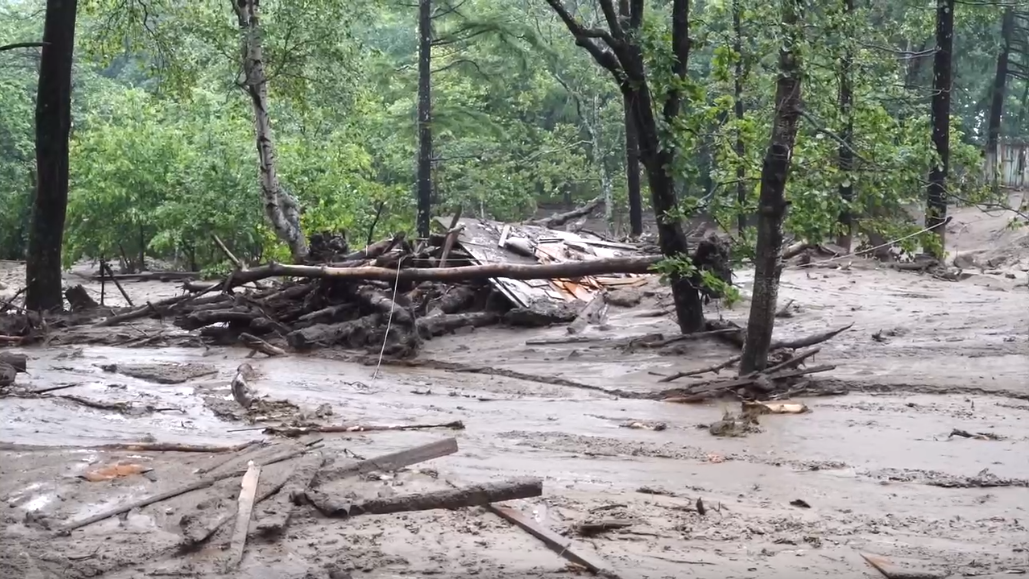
(243, 512)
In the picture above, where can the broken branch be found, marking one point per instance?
(472, 496)
(300, 431)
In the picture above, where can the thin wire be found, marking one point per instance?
(871, 249)
(389, 320)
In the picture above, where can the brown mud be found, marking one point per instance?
(875, 471)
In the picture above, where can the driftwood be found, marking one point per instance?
(17, 361)
(699, 371)
(471, 496)
(195, 531)
(259, 345)
(559, 219)
(588, 313)
(387, 462)
(174, 447)
(195, 485)
(440, 324)
(705, 390)
(376, 249)
(379, 301)
(291, 431)
(104, 266)
(244, 510)
(275, 518)
(809, 341)
(566, 270)
(353, 333)
(591, 528)
(79, 299)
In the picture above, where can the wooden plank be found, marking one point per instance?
(244, 509)
(552, 540)
(388, 462)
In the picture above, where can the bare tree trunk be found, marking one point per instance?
(280, 206)
(53, 124)
(738, 108)
(936, 193)
(846, 155)
(622, 57)
(424, 117)
(600, 160)
(632, 144)
(997, 105)
(772, 202)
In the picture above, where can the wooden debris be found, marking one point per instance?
(471, 496)
(592, 528)
(775, 407)
(195, 485)
(174, 447)
(17, 361)
(388, 462)
(891, 571)
(588, 313)
(977, 435)
(243, 511)
(110, 275)
(559, 219)
(241, 391)
(291, 431)
(79, 299)
(7, 374)
(705, 370)
(257, 344)
(275, 518)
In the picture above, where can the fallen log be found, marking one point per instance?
(808, 341)
(17, 361)
(152, 275)
(378, 300)
(471, 496)
(353, 333)
(195, 485)
(588, 313)
(258, 345)
(559, 219)
(275, 518)
(376, 249)
(241, 315)
(291, 431)
(387, 462)
(440, 324)
(704, 390)
(567, 270)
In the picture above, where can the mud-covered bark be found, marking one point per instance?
(845, 153)
(424, 117)
(999, 91)
(632, 143)
(936, 193)
(280, 207)
(53, 124)
(772, 202)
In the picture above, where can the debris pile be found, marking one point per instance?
(393, 294)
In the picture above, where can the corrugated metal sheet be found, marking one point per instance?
(481, 239)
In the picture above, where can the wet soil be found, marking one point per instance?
(875, 471)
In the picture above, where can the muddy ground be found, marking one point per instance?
(876, 466)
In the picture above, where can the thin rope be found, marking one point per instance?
(871, 249)
(389, 320)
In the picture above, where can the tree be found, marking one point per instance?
(53, 125)
(772, 203)
(846, 149)
(424, 177)
(632, 141)
(936, 193)
(620, 52)
(739, 110)
(281, 208)
(999, 91)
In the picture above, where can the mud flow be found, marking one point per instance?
(907, 459)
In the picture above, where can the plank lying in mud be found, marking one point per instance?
(470, 496)
(388, 462)
(341, 428)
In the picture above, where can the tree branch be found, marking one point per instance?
(611, 15)
(585, 37)
(22, 45)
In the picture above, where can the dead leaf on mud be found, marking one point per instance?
(715, 458)
(114, 471)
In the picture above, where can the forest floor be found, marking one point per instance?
(876, 468)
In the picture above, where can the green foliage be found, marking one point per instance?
(682, 267)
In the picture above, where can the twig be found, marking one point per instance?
(808, 341)
(699, 371)
(235, 260)
(375, 221)
(10, 301)
(104, 266)
(15, 45)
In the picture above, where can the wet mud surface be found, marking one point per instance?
(876, 471)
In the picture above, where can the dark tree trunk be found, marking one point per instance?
(739, 110)
(632, 172)
(632, 144)
(846, 155)
(772, 200)
(623, 58)
(424, 117)
(999, 89)
(936, 193)
(53, 124)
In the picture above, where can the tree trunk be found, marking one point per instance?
(997, 106)
(936, 193)
(280, 206)
(600, 160)
(772, 202)
(632, 146)
(53, 124)
(424, 117)
(846, 155)
(738, 108)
